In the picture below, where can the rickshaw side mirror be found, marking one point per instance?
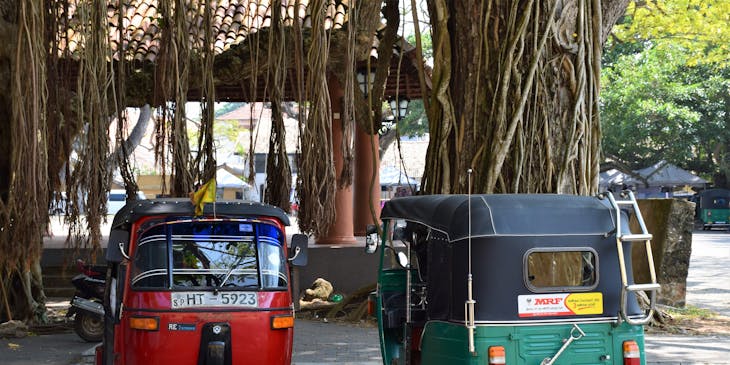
(371, 238)
(402, 259)
(298, 250)
(118, 241)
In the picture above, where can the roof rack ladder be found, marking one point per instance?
(628, 199)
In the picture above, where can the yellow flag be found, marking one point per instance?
(206, 194)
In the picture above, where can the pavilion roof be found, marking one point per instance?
(232, 23)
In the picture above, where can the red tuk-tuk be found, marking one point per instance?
(207, 290)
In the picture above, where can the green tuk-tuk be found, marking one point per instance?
(713, 208)
(510, 279)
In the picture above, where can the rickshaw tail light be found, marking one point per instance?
(282, 322)
(496, 355)
(144, 323)
(632, 355)
(371, 307)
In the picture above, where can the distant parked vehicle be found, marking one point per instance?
(117, 198)
(714, 208)
(86, 305)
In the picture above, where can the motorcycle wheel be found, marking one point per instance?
(89, 327)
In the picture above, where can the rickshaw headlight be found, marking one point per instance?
(144, 323)
(497, 355)
(282, 322)
(632, 355)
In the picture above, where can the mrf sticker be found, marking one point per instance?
(564, 304)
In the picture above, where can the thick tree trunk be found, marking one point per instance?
(515, 95)
(7, 36)
(23, 204)
(385, 141)
(8, 27)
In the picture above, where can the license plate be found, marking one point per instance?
(208, 299)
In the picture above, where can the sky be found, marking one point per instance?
(407, 27)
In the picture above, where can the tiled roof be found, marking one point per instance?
(248, 115)
(233, 21)
(261, 130)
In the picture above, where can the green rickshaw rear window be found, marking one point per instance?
(561, 269)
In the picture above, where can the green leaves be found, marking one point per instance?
(655, 106)
(666, 86)
(700, 27)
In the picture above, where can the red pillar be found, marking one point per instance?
(340, 231)
(367, 164)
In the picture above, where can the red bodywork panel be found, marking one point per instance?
(252, 337)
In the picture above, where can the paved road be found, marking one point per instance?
(708, 281)
(58, 349)
(335, 343)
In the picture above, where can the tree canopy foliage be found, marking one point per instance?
(699, 27)
(665, 85)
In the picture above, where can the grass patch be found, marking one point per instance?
(690, 312)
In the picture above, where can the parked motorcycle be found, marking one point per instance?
(86, 304)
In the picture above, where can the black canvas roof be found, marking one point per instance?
(506, 214)
(707, 196)
(184, 207)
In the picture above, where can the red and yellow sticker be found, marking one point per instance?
(562, 304)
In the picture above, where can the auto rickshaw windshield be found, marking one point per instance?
(210, 254)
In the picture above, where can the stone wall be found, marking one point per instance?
(670, 221)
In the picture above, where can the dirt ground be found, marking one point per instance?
(693, 325)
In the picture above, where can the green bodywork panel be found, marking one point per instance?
(447, 343)
(715, 216)
(391, 345)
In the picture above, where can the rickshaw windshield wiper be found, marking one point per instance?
(228, 274)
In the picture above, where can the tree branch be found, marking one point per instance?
(134, 139)
(611, 10)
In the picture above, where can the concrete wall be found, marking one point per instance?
(348, 268)
(670, 221)
(151, 185)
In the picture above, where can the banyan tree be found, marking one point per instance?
(512, 94)
(516, 86)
